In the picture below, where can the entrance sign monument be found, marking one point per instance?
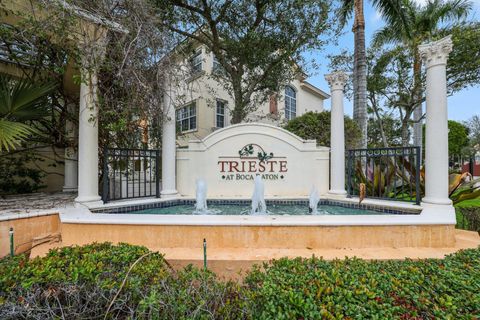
(229, 160)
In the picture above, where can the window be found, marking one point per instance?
(196, 61)
(220, 114)
(187, 118)
(290, 103)
(217, 67)
(216, 64)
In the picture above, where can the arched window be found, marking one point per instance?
(290, 103)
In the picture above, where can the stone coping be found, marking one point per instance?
(32, 214)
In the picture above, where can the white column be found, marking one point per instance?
(169, 150)
(435, 56)
(70, 180)
(337, 81)
(93, 50)
(88, 141)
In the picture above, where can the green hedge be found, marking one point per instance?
(468, 218)
(82, 282)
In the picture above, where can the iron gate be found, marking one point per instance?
(130, 173)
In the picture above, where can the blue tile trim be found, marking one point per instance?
(170, 203)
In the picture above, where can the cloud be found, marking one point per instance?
(376, 17)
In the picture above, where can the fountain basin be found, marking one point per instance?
(285, 207)
(395, 225)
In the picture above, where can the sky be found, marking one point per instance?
(461, 106)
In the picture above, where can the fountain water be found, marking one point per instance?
(201, 196)
(313, 201)
(258, 198)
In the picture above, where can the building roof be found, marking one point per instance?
(313, 89)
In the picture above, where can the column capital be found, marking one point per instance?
(435, 53)
(336, 80)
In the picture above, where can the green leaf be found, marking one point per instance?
(13, 133)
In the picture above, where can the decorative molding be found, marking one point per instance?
(336, 80)
(435, 53)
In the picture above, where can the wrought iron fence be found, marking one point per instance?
(130, 173)
(388, 173)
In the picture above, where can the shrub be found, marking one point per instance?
(316, 125)
(470, 217)
(82, 282)
(353, 288)
(18, 175)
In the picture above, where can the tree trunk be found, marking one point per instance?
(360, 74)
(405, 133)
(238, 112)
(237, 116)
(417, 95)
(380, 123)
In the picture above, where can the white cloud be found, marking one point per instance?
(376, 17)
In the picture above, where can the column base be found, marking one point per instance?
(165, 194)
(440, 201)
(69, 189)
(443, 212)
(88, 201)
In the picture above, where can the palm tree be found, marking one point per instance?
(20, 101)
(417, 25)
(349, 7)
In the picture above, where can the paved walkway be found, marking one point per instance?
(25, 203)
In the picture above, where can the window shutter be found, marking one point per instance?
(273, 104)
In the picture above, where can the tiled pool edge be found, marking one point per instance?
(384, 209)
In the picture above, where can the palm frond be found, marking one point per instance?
(13, 133)
(345, 12)
(387, 35)
(395, 13)
(453, 11)
(22, 99)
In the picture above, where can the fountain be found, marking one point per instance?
(313, 201)
(258, 198)
(201, 196)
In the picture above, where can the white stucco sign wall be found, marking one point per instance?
(230, 158)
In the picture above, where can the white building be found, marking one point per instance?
(202, 105)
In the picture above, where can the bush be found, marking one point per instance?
(470, 218)
(353, 288)
(316, 125)
(81, 282)
(18, 176)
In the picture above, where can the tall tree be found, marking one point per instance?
(473, 124)
(457, 137)
(391, 82)
(417, 25)
(355, 7)
(257, 43)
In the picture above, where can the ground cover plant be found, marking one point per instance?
(105, 281)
